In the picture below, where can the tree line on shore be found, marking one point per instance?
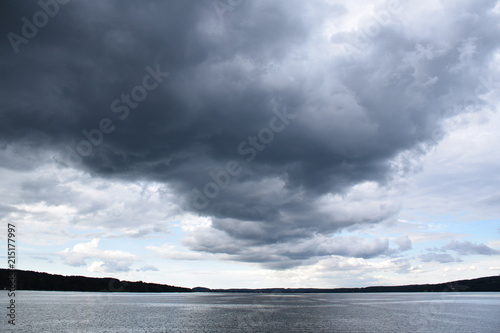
(29, 280)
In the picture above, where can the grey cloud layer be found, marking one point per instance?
(353, 116)
(468, 248)
(460, 247)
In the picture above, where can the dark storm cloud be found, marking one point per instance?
(283, 255)
(323, 124)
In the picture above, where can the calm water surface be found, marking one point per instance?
(39, 312)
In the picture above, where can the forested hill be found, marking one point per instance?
(29, 280)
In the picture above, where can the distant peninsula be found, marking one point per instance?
(29, 280)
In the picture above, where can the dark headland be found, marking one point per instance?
(29, 280)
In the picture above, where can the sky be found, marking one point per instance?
(252, 144)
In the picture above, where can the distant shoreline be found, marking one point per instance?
(30, 280)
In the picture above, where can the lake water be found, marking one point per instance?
(40, 312)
